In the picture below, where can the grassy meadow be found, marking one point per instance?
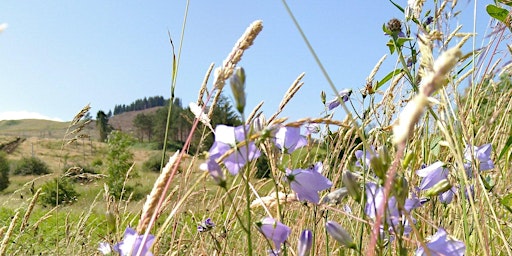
(419, 165)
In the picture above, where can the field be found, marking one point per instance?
(418, 166)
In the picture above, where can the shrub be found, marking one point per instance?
(153, 163)
(119, 160)
(31, 166)
(4, 172)
(58, 191)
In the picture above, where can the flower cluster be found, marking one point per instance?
(206, 225)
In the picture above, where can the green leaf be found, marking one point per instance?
(507, 202)
(398, 6)
(388, 77)
(507, 2)
(391, 46)
(506, 148)
(497, 12)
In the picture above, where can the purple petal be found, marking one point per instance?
(288, 139)
(307, 183)
(441, 244)
(305, 243)
(131, 243)
(275, 231)
(237, 160)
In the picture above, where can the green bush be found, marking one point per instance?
(4, 172)
(58, 191)
(31, 166)
(153, 163)
(119, 159)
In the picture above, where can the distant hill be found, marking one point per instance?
(33, 128)
(124, 121)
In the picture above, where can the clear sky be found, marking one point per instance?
(57, 56)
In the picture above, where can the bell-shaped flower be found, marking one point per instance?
(312, 128)
(306, 183)
(442, 244)
(343, 94)
(274, 231)
(288, 139)
(482, 154)
(305, 243)
(131, 244)
(105, 248)
(226, 139)
(432, 175)
(365, 156)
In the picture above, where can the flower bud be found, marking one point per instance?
(322, 97)
(440, 187)
(237, 82)
(350, 182)
(340, 234)
(305, 243)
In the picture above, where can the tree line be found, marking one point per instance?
(141, 104)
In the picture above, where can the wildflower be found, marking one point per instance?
(105, 248)
(447, 196)
(237, 83)
(305, 243)
(288, 139)
(227, 138)
(482, 154)
(340, 234)
(312, 128)
(432, 175)
(307, 182)
(366, 156)
(207, 225)
(132, 242)
(394, 218)
(442, 244)
(343, 94)
(274, 230)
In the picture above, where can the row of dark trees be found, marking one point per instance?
(141, 104)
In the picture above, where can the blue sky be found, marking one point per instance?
(57, 56)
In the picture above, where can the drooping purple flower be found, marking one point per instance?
(105, 248)
(288, 139)
(482, 154)
(274, 230)
(442, 244)
(447, 196)
(226, 139)
(305, 243)
(432, 175)
(312, 128)
(306, 183)
(394, 218)
(339, 234)
(343, 94)
(131, 243)
(365, 156)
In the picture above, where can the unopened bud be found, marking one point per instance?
(350, 182)
(322, 96)
(237, 82)
(340, 234)
(440, 187)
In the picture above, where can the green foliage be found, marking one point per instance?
(102, 125)
(58, 191)
(153, 163)
(262, 167)
(144, 125)
(141, 104)
(119, 160)
(31, 166)
(4, 172)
